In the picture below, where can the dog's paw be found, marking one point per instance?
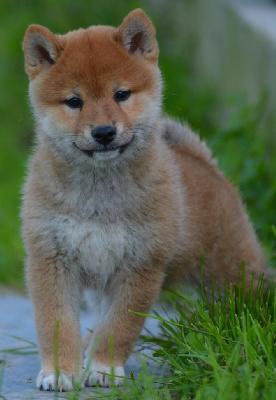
(48, 381)
(96, 375)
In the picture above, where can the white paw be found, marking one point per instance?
(96, 375)
(48, 381)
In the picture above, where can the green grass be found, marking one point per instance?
(218, 347)
(221, 349)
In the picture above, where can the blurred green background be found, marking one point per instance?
(185, 96)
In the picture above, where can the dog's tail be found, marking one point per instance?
(180, 134)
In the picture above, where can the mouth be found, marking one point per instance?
(105, 153)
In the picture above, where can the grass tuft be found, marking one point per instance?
(223, 348)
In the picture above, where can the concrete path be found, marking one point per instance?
(19, 371)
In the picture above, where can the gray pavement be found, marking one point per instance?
(19, 371)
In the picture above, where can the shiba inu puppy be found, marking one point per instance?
(117, 199)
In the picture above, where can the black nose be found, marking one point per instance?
(104, 134)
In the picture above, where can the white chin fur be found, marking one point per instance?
(106, 155)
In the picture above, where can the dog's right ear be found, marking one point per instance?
(41, 48)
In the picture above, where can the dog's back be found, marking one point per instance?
(217, 220)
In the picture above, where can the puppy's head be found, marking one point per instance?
(96, 93)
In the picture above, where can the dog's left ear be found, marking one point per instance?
(137, 35)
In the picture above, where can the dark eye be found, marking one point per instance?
(121, 95)
(74, 102)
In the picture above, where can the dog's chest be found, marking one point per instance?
(99, 226)
(100, 248)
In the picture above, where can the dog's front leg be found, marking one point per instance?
(56, 297)
(114, 338)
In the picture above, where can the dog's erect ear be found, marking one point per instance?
(41, 48)
(137, 35)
